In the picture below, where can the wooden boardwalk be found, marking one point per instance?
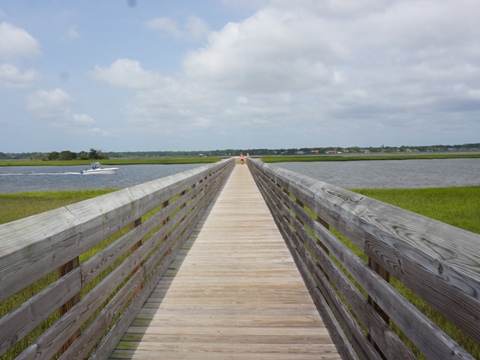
(237, 295)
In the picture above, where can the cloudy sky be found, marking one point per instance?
(146, 75)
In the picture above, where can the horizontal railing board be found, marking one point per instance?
(20, 322)
(50, 243)
(46, 241)
(126, 318)
(416, 259)
(90, 336)
(384, 336)
(333, 315)
(342, 343)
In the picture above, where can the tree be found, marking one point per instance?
(96, 154)
(67, 155)
(53, 155)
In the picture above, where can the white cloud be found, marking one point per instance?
(311, 71)
(174, 107)
(14, 78)
(128, 74)
(54, 108)
(270, 51)
(49, 104)
(16, 43)
(83, 120)
(194, 28)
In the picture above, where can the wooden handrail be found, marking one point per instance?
(83, 271)
(438, 262)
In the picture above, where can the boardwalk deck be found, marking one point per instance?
(237, 295)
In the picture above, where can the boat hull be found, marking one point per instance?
(105, 171)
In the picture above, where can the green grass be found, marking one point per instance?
(20, 205)
(152, 161)
(360, 157)
(457, 206)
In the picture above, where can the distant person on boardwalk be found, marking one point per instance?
(241, 158)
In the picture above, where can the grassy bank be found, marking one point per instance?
(360, 157)
(152, 161)
(20, 205)
(457, 206)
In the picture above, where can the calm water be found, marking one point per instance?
(42, 178)
(348, 174)
(392, 173)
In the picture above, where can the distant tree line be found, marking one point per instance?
(94, 154)
(295, 151)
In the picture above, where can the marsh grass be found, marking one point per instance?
(142, 161)
(360, 157)
(20, 205)
(456, 206)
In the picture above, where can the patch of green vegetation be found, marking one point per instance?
(152, 161)
(309, 158)
(457, 206)
(19, 205)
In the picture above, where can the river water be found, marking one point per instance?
(392, 173)
(347, 174)
(16, 179)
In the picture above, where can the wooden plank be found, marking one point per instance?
(238, 293)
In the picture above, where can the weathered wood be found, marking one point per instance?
(47, 241)
(33, 247)
(62, 271)
(389, 342)
(156, 272)
(237, 294)
(20, 322)
(90, 336)
(418, 251)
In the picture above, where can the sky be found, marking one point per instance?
(149, 75)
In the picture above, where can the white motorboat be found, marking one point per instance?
(97, 168)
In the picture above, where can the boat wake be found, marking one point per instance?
(41, 174)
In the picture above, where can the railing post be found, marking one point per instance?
(167, 219)
(62, 271)
(133, 225)
(386, 276)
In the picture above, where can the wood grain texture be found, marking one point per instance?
(237, 295)
(439, 262)
(35, 246)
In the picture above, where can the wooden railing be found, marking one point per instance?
(363, 260)
(72, 279)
